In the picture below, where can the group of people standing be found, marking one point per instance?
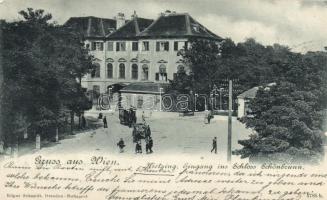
(148, 139)
(148, 145)
(138, 146)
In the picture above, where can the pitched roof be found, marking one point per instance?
(173, 25)
(92, 26)
(177, 25)
(131, 28)
(249, 94)
(144, 88)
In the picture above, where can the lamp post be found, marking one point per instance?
(229, 142)
(220, 99)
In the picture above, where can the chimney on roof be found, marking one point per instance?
(120, 20)
(134, 15)
(166, 13)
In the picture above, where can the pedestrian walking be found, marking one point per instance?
(214, 145)
(121, 145)
(105, 124)
(150, 144)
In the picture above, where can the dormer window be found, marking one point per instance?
(111, 30)
(196, 27)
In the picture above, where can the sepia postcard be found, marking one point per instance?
(163, 99)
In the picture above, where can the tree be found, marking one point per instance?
(287, 118)
(42, 65)
(212, 63)
(181, 83)
(203, 58)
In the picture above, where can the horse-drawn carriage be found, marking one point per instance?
(127, 117)
(141, 131)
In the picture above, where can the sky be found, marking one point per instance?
(301, 25)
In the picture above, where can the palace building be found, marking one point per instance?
(137, 50)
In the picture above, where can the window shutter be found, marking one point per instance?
(166, 46)
(176, 46)
(185, 45)
(101, 46)
(93, 46)
(158, 46)
(123, 48)
(134, 46)
(157, 76)
(117, 46)
(110, 46)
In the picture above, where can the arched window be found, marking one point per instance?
(121, 70)
(96, 71)
(162, 74)
(145, 72)
(109, 70)
(134, 71)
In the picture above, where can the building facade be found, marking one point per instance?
(137, 50)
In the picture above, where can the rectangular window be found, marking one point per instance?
(120, 46)
(110, 46)
(166, 46)
(161, 76)
(175, 46)
(97, 46)
(135, 46)
(92, 46)
(162, 46)
(145, 46)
